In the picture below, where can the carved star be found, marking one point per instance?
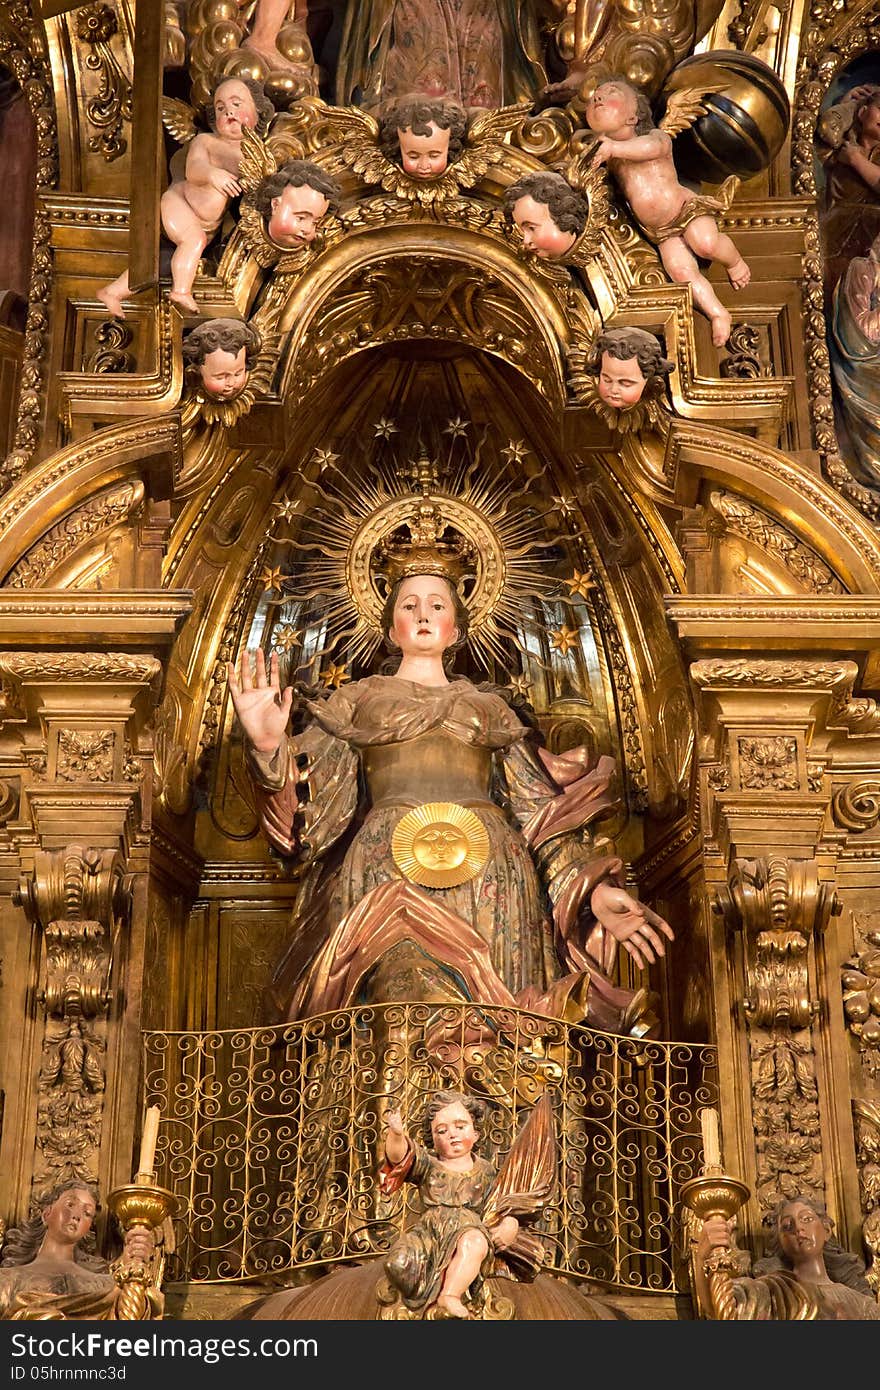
(581, 582)
(285, 510)
(456, 427)
(334, 675)
(385, 428)
(566, 505)
(284, 639)
(324, 458)
(272, 578)
(520, 685)
(562, 639)
(515, 451)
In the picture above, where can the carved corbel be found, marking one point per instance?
(778, 905)
(77, 896)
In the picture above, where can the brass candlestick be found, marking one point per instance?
(140, 1203)
(716, 1193)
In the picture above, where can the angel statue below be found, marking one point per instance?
(443, 845)
(474, 1216)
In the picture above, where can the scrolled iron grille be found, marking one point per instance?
(271, 1137)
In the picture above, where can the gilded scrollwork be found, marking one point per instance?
(867, 1119)
(74, 896)
(742, 517)
(860, 978)
(856, 807)
(23, 52)
(94, 518)
(779, 904)
(110, 355)
(109, 109)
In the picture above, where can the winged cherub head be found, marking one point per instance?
(294, 200)
(624, 361)
(550, 213)
(222, 352)
(423, 136)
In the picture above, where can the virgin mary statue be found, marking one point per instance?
(445, 860)
(482, 53)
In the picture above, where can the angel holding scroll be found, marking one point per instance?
(474, 1216)
(681, 223)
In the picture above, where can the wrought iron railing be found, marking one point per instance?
(271, 1137)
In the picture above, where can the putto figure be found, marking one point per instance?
(204, 179)
(221, 354)
(550, 214)
(46, 1273)
(294, 201)
(473, 1218)
(621, 377)
(682, 224)
(424, 136)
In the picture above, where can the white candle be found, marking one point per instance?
(711, 1140)
(150, 1134)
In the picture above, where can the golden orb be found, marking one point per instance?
(219, 12)
(243, 63)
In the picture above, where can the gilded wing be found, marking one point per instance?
(256, 162)
(683, 108)
(179, 119)
(341, 124)
(487, 138)
(526, 1180)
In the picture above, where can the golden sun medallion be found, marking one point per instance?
(440, 845)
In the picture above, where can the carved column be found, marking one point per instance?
(81, 679)
(783, 750)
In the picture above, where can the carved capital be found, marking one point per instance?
(774, 894)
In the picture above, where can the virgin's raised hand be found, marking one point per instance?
(636, 927)
(262, 707)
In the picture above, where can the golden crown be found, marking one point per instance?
(433, 548)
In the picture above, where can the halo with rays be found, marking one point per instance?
(478, 510)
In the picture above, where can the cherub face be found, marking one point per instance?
(224, 374)
(539, 231)
(452, 1131)
(295, 215)
(424, 156)
(612, 107)
(70, 1216)
(234, 109)
(621, 381)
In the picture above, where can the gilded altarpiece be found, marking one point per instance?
(691, 589)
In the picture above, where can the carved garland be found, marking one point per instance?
(23, 52)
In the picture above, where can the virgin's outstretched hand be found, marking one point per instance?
(638, 929)
(262, 707)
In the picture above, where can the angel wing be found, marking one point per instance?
(257, 160)
(179, 119)
(487, 138)
(526, 1180)
(683, 108)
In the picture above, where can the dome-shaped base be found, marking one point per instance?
(349, 1295)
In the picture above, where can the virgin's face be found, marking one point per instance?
(424, 617)
(452, 1131)
(801, 1232)
(70, 1216)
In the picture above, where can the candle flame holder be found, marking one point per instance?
(714, 1194)
(140, 1204)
